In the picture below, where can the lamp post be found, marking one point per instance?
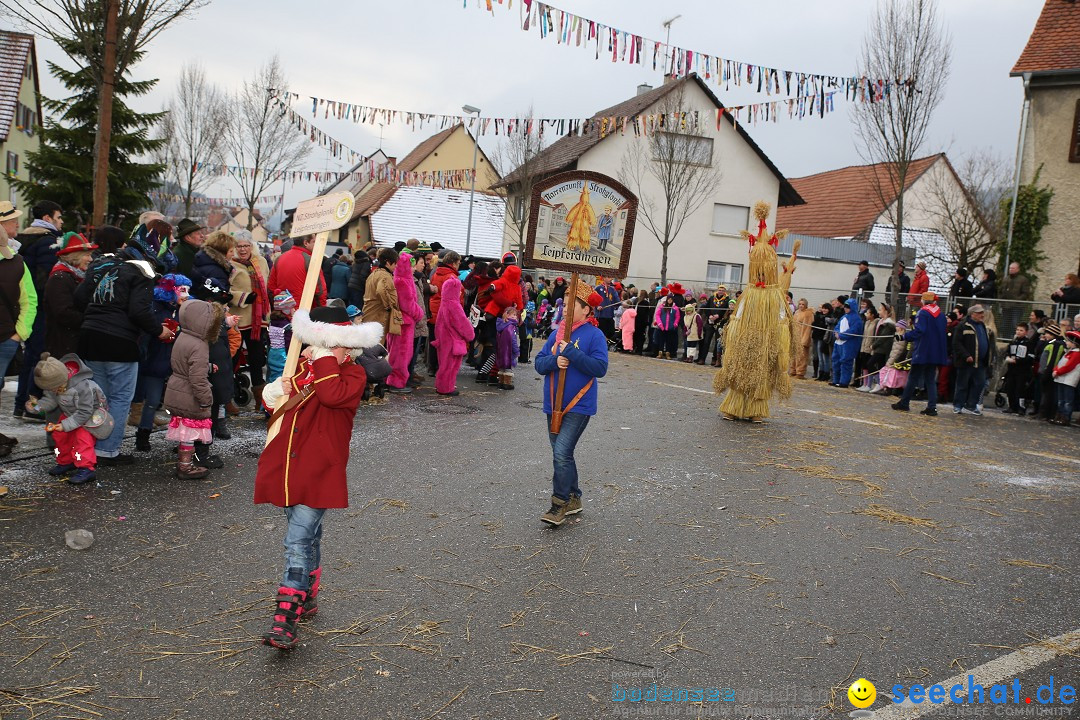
(1019, 162)
(470, 110)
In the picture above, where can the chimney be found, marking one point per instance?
(670, 78)
(643, 88)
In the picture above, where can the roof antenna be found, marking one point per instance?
(667, 41)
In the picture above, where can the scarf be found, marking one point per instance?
(44, 225)
(63, 267)
(591, 319)
(262, 300)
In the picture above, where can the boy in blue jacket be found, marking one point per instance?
(585, 359)
(930, 352)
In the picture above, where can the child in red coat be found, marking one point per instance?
(303, 468)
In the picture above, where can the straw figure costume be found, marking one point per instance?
(581, 218)
(758, 341)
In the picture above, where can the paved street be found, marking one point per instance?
(783, 561)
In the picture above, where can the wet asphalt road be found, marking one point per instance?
(756, 560)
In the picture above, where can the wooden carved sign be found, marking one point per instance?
(581, 222)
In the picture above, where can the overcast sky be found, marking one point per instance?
(435, 56)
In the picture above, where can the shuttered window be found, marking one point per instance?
(1074, 137)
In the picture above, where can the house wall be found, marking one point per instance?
(1053, 111)
(456, 153)
(746, 179)
(20, 143)
(923, 209)
(235, 224)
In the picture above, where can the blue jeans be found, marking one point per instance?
(824, 358)
(153, 391)
(8, 348)
(921, 376)
(117, 381)
(564, 481)
(32, 348)
(1065, 396)
(302, 540)
(970, 384)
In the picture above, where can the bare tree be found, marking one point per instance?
(965, 203)
(260, 137)
(673, 173)
(192, 130)
(907, 45)
(107, 37)
(515, 159)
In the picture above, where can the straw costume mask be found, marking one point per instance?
(758, 337)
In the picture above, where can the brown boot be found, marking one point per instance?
(257, 392)
(135, 414)
(231, 408)
(557, 514)
(185, 469)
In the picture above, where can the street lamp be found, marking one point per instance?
(470, 110)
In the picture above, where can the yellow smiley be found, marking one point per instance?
(862, 693)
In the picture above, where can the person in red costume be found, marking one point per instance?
(290, 271)
(505, 292)
(302, 470)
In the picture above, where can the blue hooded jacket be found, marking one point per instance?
(849, 332)
(930, 337)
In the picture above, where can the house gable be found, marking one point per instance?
(566, 152)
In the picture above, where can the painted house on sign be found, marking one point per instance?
(708, 250)
(1050, 66)
(20, 111)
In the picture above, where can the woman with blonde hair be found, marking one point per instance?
(62, 317)
(251, 303)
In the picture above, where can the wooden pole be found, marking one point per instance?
(311, 283)
(568, 323)
(103, 139)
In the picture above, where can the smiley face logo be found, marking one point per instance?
(862, 693)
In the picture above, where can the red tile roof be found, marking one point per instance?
(844, 202)
(15, 50)
(1054, 44)
(564, 153)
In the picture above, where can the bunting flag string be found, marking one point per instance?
(574, 30)
(218, 201)
(639, 125)
(368, 172)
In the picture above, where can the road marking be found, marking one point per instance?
(851, 419)
(1051, 457)
(1005, 667)
(682, 387)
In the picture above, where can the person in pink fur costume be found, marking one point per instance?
(453, 333)
(626, 325)
(401, 346)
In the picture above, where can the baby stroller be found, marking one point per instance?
(241, 380)
(1000, 398)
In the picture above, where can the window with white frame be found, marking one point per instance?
(680, 148)
(718, 273)
(730, 219)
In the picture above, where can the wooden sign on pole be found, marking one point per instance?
(557, 412)
(318, 215)
(579, 222)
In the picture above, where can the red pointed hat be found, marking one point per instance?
(76, 242)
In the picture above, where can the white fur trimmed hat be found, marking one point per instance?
(330, 327)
